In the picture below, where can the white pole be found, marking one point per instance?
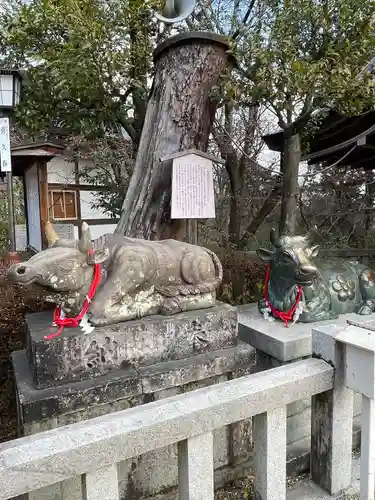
(367, 449)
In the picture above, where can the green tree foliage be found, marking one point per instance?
(19, 211)
(87, 61)
(110, 163)
(88, 65)
(307, 54)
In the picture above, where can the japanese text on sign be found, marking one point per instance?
(192, 188)
(5, 154)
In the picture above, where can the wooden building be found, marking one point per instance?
(348, 140)
(54, 191)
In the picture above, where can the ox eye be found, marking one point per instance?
(67, 265)
(287, 256)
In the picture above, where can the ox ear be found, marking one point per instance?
(98, 256)
(264, 255)
(314, 251)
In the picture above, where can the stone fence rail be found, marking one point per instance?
(92, 448)
(88, 452)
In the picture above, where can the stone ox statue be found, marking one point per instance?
(318, 289)
(137, 277)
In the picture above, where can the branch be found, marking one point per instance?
(127, 126)
(245, 19)
(266, 172)
(268, 206)
(228, 153)
(303, 118)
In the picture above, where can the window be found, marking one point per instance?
(62, 204)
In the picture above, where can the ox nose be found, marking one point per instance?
(306, 269)
(18, 273)
(19, 269)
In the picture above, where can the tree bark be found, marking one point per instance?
(179, 116)
(291, 160)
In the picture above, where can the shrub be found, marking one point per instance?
(243, 278)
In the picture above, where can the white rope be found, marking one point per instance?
(330, 166)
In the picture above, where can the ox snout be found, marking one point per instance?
(306, 273)
(21, 274)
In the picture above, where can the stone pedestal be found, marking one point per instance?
(277, 345)
(76, 355)
(67, 380)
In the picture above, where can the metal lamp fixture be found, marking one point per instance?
(10, 89)
(10, 95)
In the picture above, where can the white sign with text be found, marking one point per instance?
(192, 188)
(64, 231)
(21, 237)
(5, 153)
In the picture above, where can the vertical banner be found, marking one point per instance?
(5, 153)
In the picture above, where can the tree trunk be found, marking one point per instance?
(234, 219)
(179, 117)
(291, 160)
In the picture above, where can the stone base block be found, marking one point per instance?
(152, 473)
(274, 339)
(75, 355)
(277, 345)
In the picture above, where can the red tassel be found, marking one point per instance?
(74, 322)
(284, 316)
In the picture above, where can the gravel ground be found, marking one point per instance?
(243, 490)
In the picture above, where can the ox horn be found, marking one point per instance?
(175, 11)
(274, 239)
(85, 243)
(50, 233)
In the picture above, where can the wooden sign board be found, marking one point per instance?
(64, 231)
(5, 154)
(192, 188)
(21, 237)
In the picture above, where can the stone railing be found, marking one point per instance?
(93, 448)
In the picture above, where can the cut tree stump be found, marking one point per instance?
(179, 116)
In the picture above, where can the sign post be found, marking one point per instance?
(193, 194)
(6, 166)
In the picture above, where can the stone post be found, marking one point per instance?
(269, 436)
(277, 346)
(101, 484)
(195, 468)
(359, 346)
(331, 418)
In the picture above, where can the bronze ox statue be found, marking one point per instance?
(136, 277)
(319, 289)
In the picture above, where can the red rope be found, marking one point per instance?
(74, 322)
(284, 316)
